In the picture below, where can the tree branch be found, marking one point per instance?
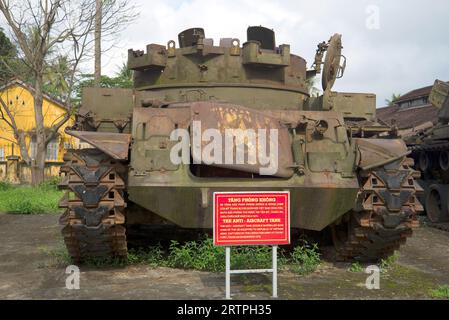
(55, 127)
(11, 122)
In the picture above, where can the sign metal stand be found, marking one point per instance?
(235, 219)
(273, 270)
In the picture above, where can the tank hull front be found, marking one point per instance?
(187, 201)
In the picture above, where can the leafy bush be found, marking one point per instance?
(251, 257)
(153, 256)
(24, 206)
(387, 263)
(99, 262)
(356, 267)
(442, 292)
(203, 255)
(30, 200)
(51, 183)
(4, 185)
(305, 258)
(59, 255)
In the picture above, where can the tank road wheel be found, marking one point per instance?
(437, 203)
(443, 160)
(384, 216)
(424, 161)
(94, 204)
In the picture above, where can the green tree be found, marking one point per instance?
(57, 78)
(394, 97)
(125, 74)
(8, 52)
(123, 79)
(44, 30)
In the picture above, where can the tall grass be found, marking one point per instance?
(442, 292)
(203, 255)
(26, 199)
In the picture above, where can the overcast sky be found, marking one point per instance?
(391, 46)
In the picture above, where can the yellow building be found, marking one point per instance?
(19, 97)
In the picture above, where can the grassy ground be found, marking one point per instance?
(204, 256)
(303, 261)
(25, 199)
(442, 292)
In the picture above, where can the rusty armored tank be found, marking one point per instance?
(430, 150)
(347, 174)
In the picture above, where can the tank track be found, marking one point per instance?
(384, 216)
(441, 226)
(94, 203)
(436, 146)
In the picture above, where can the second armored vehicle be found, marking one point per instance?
(430, 149)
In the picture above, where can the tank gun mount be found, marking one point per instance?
(191, 37)
(331, 67)
(439, 97)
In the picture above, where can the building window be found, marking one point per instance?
(33, 148)
(419, 102)
(52, 150)
(2, 154)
